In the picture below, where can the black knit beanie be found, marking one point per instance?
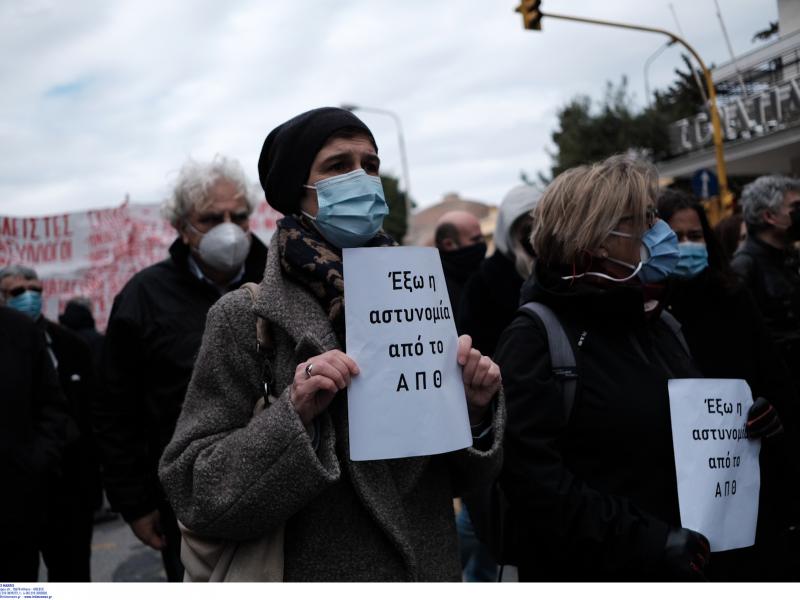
(290, 149)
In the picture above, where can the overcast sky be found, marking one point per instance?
(106, 97)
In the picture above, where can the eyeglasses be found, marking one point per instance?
(21, 289)
(650, 215)
(209, 220)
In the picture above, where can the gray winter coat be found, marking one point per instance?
(232, 476)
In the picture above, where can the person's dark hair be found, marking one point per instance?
(289, 151)
(669, 202)
(728, 230)
(446, 231)
(77, 315)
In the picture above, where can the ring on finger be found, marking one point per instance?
(308, 369)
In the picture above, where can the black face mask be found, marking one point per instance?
(794, 229)
(465, 260)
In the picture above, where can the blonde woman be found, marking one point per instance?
(590, 474)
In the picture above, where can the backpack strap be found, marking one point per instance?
(562, 355)
(675, 327)
(264, 345)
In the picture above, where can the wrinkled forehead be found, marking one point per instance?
(346, 143)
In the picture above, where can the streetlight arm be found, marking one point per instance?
(716, 127)
(383, 111)
(647, 63)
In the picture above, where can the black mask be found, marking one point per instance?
(465, 260)
(794, 229)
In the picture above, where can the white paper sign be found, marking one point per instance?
(717, 466)
(409, 398)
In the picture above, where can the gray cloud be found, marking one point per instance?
(106, 98)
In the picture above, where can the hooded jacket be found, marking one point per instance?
(233, 476)
(491, 296)
(593, 493)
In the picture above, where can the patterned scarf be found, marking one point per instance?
(313, 262)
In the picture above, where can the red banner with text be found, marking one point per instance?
(94, 253)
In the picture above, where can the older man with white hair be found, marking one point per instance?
(153, 336)
(768, 262)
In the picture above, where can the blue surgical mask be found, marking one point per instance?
(693, 260)
(659, 255)
(28, 302)
(351, 208)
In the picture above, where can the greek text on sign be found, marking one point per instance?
(716, 464)
(409, 397)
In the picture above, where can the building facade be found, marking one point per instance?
(759, 103)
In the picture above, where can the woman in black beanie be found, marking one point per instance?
(235, 476)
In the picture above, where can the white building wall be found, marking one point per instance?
(788, 16)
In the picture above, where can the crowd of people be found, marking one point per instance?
(213, 413)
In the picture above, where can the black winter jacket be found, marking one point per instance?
(594, 494)
(153, 336)
(728, 339)
(33, 425)
(76, 375)
(489, 302)
(773, 277)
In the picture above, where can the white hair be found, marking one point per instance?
(765, 194)
(196, 178)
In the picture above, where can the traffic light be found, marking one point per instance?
(531, 15)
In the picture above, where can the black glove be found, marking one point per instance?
(763, 420)
(686, 554)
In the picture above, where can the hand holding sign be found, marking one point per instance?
(686, 554)
(420, 385)
(763, 420)
(317, 381)
(481, 378)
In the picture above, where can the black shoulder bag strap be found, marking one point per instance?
(562, 356)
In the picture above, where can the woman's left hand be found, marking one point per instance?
(481, 379)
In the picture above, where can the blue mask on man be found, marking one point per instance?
(351, 208)
(693, 260)
(28, 302)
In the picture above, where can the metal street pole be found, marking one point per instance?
(649, 60)
(400, 141)
(716, 127)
